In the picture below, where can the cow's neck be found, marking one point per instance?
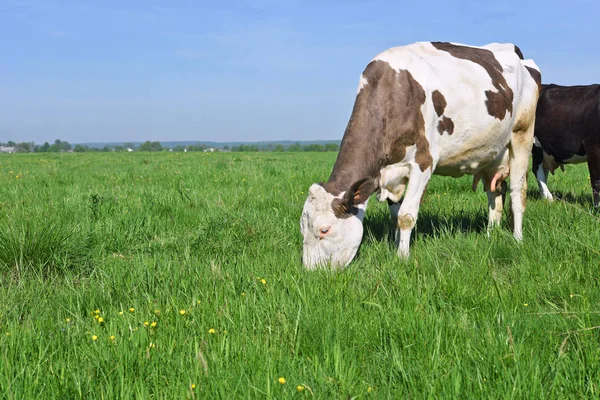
(357, 159)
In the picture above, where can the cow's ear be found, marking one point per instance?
(360, 191)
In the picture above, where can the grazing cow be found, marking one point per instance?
(567, 131)
(425, 108)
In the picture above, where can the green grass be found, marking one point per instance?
(468, 316)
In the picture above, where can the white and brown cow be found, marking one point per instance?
(567, 131)
(425, 108)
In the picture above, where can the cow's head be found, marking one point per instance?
(332, 225)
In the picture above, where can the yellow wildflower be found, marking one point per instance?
(525, 304)
(193, 386)
(211, 331)
(112, 338)
(281, 380)
(100, 320)
(94, 338)
(146, 323)
(68, 320)
(96, 316)
(153, 324)
(97, 312)
(131, 309)
(182, 312)
(120, 312)
(263, 281)
(157, 311)
(370, 389)
(299, 388)
(198, 302)
(7, 333)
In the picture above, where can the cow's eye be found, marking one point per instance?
(324, 231)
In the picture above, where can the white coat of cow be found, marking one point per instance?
(422, 109)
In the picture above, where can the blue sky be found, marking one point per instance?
(130, 70)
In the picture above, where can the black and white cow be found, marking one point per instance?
(567, 131)
(425, 108)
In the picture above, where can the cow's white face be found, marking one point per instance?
(332, 226)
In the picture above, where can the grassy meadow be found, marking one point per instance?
(178, 275)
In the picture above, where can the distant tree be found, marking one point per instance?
(196, 147)
(150, 146)
(295, 147)
(156, 146)
(11, 143)
(80, 148)
(225, 147)
(246, 148)
(178, 148)
(332, 147)
(129, 145)
(279, 148)
(146, 146)
(314, 147)
(119, 148)
(43, 148)
(106, 148)
(24, 147)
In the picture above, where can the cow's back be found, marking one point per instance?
(473, 97)
(565, 116)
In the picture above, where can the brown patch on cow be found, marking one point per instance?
(385, 120)
(445, 125)
(406, 221)
(537, 77)
(519, 52)
(497, 103)
(439, 102)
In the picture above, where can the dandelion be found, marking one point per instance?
(157, 311)
(282, 380)
(7, 333)
(153, 324)
(299, 388)
(120, 312)
(100, 320)
(94, 337)
(370, 389)
(131, 309)
(263, 281)
(97, 312)
(146, 323)
(181, 312)
(571, 295)
(112, 338)
(211, 331)
(198, 302)
(243, 294)
(525, 304)
(96, 316)
(193, 386)
(68, 320)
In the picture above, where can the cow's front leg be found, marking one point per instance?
(407, 214)
(394, 209)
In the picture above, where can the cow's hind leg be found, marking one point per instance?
(521, 143)
(495, 204)
(541, 174)
(593, 156)
(407, 214)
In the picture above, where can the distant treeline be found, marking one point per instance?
(63, 146)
